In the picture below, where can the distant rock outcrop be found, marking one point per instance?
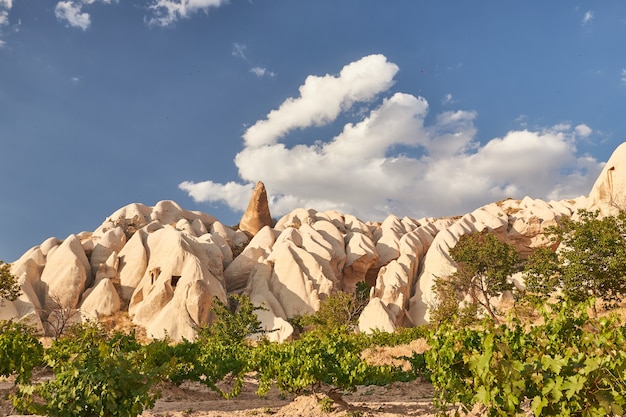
(168, 264)
(257, 215)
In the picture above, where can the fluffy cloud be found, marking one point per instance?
(323, 98)
(391, 160)
(583, 130)
(71, 12)
(587, 17)
(167, 12)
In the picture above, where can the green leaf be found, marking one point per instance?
(573, 385)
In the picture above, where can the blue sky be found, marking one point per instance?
(425, 108)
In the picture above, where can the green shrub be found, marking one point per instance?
(20, 351)
(94, 375)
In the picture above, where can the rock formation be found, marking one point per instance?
(168, 264)
(257, 215)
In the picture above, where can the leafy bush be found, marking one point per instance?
(20, 351)
(94, 375)
(330, 357)
(591, 263)
(484, 265)
(9, 289)
(570, 365)
(401, 336)
(340, 309)
(222, 349)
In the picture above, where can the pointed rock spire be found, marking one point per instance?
(257, 214)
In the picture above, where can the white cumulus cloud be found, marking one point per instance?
(391, 160)
(323, 98)
(583, 130)
(71, 13)
(168, 12)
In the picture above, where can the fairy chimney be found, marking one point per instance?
(257, 214)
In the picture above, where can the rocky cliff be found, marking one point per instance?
(166, 264)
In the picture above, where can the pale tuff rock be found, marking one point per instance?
(222, 244)
(297, 279)
(360, 257)
(610, 187)
(296, 218)
(169, 263)
(177, 261)
(272, 316)
(375, 316)
(237, 273)
(8, 311)
(101, 300)
(132, 265)
(108, 268)
(65, 276)
(235, 238)
(333, 236)
(518, 222)
(133, 216)
(169, 212)
(257, 215)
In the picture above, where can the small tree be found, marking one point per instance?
(484, 265)
(223, 349)
(591, 262)
(61, 317)
(9, 289)
(341, 309)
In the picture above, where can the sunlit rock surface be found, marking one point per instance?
(165, 265)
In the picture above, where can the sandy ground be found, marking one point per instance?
(398, 399)
(192, 399)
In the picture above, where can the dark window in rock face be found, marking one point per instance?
(154, 274)
(175, 279)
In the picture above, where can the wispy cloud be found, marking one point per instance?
(448, 99)
(587, 17)
(262, 72)
(5, 8)
(623, 76)
(239, 50)
(359, 170)
(168, 12)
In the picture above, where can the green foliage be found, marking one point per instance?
(221, 350)
(571, 365)
(9, 289)
(323, 356)
(20, 351)
(591, 264)
(94, 375)
(401, 336)
(340, 309)
(484, 265)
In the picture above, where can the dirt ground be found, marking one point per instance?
(193, 399)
